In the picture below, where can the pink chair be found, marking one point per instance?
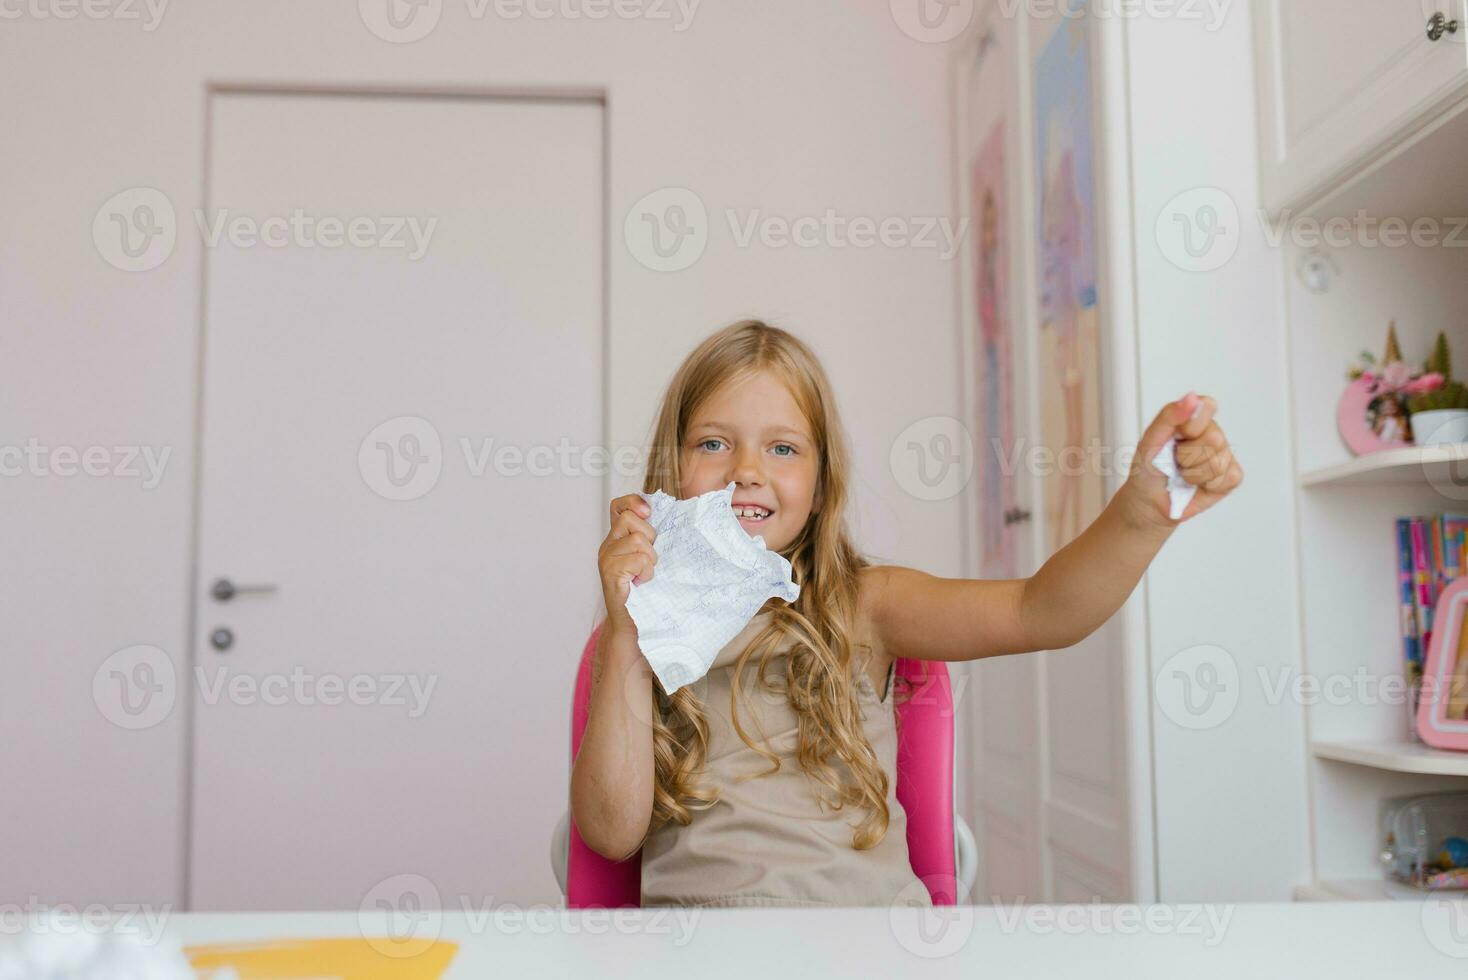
(940, 846)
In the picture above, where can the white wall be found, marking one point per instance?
(788, 107)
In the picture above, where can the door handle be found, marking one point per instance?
(1440, 25)
(224, 590)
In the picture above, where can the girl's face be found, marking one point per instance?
(754, 435)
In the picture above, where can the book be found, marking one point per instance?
(1411, 645)
(1422, 582)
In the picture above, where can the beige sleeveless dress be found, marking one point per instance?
(769, 841)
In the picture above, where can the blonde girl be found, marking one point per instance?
(771, 780)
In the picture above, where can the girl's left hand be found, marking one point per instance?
(1204, 458)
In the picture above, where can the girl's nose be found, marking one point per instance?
(748, 468)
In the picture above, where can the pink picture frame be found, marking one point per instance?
(1442, 714)
(1366, 421)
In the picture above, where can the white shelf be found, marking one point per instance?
(1413, 464)
(1368, 890)
(1400, 756)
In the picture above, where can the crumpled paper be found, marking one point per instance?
(1179, 490)
(62, 946)
(711, 579)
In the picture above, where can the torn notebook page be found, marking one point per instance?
(711, 579)
(1179, 490)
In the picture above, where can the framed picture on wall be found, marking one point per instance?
(992, 361)
(1070, 309)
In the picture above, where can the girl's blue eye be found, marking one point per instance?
(703, 444)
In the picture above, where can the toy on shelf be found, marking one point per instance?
(1424, 840)
(1454, 853)
(1373, 413)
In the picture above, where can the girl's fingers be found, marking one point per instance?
(634, 547)
(635, 543)
(629, 514)
(636, 569)
(627, 556)
(1215, 475)
(1209, 444)
(1198, 424)
(629, 523)
(632, 502)
(644, 571)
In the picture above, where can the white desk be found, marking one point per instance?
(1285, 939)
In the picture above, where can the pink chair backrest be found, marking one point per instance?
(924, 788)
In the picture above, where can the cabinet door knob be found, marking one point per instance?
(1440, 25)
(1016, 515)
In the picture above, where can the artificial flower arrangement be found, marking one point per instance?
(1391, 404)
(1438, 391)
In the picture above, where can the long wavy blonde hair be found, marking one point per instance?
(819, 682)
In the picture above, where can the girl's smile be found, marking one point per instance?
(751, 515)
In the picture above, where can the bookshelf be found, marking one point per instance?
(1358, 748)
(1437, 465)
(1395, 756)
(1360, 890)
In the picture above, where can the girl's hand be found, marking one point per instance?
(626, 557)
(1204, 458)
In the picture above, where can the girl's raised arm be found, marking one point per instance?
(1082, 585)
(923, 617)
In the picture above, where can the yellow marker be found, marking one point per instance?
(320, 959)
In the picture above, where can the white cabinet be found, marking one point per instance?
(1340, 83)
(1361, 114)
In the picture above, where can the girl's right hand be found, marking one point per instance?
(626, 557)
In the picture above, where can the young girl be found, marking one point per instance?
(740, 789)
